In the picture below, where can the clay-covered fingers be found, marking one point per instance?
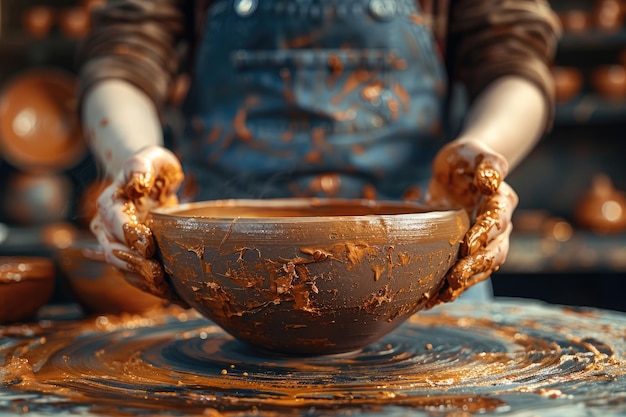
(148, 275)
(464, 171)
(108, 243)
(122, 222)
(493, 218)
(155, 173)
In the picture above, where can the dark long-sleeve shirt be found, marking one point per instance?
(481, 40)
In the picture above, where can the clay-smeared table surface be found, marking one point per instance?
(510, 358)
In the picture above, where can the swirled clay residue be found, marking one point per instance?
(508, 358)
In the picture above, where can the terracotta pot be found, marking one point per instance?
(32, 199)
(74, 22)
(602, 208)
(89, 5)
(307, 276)
(26, 284)
(567, 82)
(99, 287)
(39, 127)
(609, 14)
(609, 81)
(88, 200)
(575, 21)
(38, 21)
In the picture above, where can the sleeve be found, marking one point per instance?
(134, 40)
(489, 39)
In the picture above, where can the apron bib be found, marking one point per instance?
(313, 98)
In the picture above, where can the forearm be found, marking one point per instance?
(509, 116)
(119, 120)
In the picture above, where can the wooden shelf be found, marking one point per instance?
(590, 109)
(584, 252)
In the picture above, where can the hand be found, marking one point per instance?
(148, 180)
(469, 174)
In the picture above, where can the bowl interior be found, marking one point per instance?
(275, 209)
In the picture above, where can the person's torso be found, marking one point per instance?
(313, 97)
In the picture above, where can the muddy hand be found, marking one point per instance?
(149, 179)
(469, 175)
(148, 276)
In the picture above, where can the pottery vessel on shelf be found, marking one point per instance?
(39, 128)
(307, 276)
(567, 82)
(89, 5)
(98, 286)
(26, 284)
(575, 21)
(37, 198)
(87, 204)
(609, 14)
(74, 22)
(38, 20)
(602, 208)
(609, 81)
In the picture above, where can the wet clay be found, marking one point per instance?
(307, 276)
(517, 358)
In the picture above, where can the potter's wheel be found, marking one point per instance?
(509, 358)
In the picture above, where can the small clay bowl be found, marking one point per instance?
(567, 82)
(307, 276)
(26, 284)
(98, 286)
(39, 127)
(609, 81)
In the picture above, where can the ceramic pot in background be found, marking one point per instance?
(74, 22)
(26, 284)
(609, 81)
(575, 21)
(609, 15)
(38, 20)
(99, 287)
(39, 127)
(602, 208)
(34, 199)
(568, 82)
(86, 206)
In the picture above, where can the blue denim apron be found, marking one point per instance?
(313, 98)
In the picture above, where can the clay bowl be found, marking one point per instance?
(567, 82)
(26, 284)
(98, 286)
(307, 276)
(39, 127)
(609, 81)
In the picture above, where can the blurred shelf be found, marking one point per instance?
(25, 43)
(590, 109)
(594, 38)
(584, 252)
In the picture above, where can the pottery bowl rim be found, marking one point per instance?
(380, 208)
